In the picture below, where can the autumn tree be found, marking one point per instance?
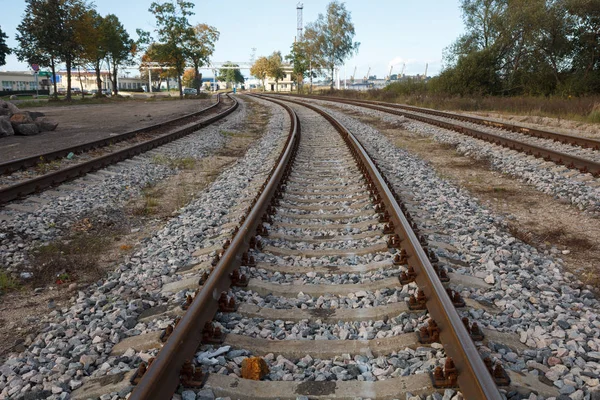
(260, 69)
(4, 49)
(230, 74)
(335, 34)
(275, 68)
(174, 31)
(199, 48)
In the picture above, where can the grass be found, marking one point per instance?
(175, 162)
(7, 282)
(228, 133)
(65, 260)
(89, 100)
(45, 167)
(584, 109)
(149, 205)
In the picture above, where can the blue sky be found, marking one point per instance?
(390, 32)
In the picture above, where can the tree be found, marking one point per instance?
(174, 31)
(90, 33)
(275, 68)
(4, 49)
(260, 69)
(312, 44)
(39, 35)
(189, 78)
(199, 48)
(119, 47)
(300, 62)
(335, 32)
(231, 74)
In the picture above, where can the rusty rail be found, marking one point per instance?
(26, 162)
(473, 377)
(559, 137)
(42, 182)
(162, 377)
(570, 161)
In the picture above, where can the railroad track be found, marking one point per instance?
(102, 153)
(327, 250)
(571, 151)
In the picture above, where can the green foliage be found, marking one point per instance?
(7, 282)
(4, 49)
(275, 68)
(531, 47)
(332, 37)
(199, 48)
(231, 75)
(119, 47)
(299, 58)
(174, 31)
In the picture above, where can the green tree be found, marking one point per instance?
(299, 59)
(4, 49)
(230, 74)
(174, 31)
(335, 36)
(90, 33)
(260, 69)
(275, 69)
(39, 35)
(120, 48)
(199, 48)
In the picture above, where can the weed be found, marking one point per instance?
(227, 133)
(175, 162)
(67, 259)
(7, 282)
(44, 167)
(125, 247)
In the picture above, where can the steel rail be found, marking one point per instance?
(570, 161)
(474, 380)
(31, 161)
(559, 137)
(162, 377)
(42, 182)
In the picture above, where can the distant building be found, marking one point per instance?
(87, 79)
(286, 84)
(21, 80)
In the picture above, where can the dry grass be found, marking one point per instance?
(74, 258)
(7, 282)
(586, 109)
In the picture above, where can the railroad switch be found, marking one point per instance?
(190, 376)
(417, 302)
(212, 334)
(238, 279)
(445, 378)
(430, 333)
(142, 368)
(497, 371)
(456, 298)
(408, 276)
(474, 330)
(226, 303)
(402, 258)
